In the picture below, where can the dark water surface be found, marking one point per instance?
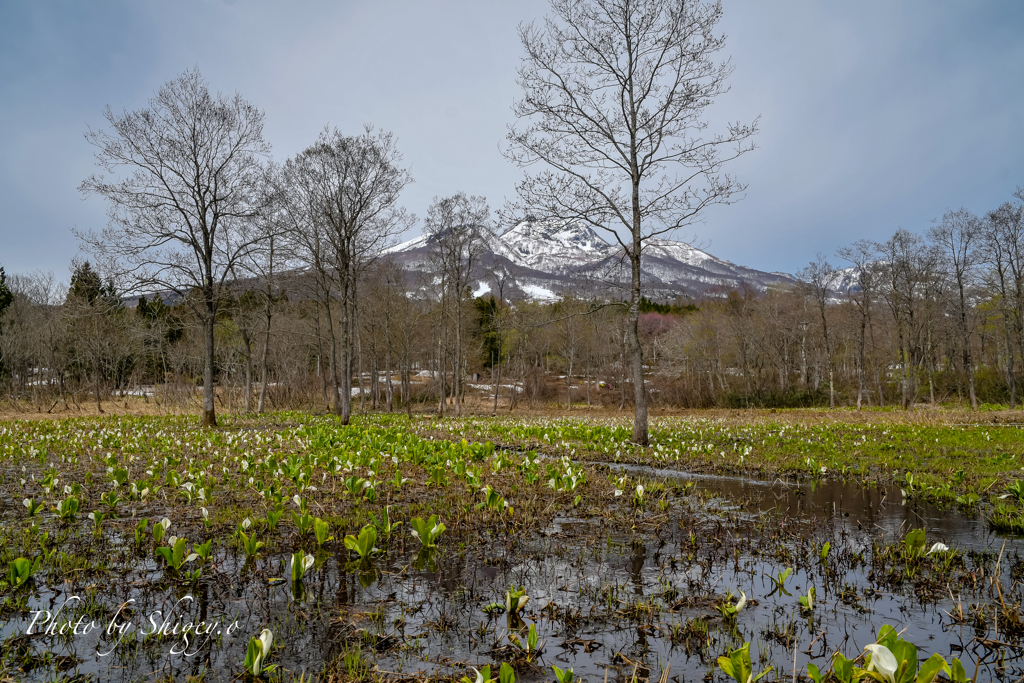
(605, 599)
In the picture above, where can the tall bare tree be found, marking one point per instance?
(910, 267)
(614, 97)
(503, 277)
(344, 190)
(459, 229)
(189, 178)
(265, 262)
(862, 292)
(818, 278)
(958, 236)
(1004, 252)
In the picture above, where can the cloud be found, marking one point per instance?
(874, 115)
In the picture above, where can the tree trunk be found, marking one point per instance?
(346, 353)
(442, 364)
(338, 397)
(209, 413)
(588, 384)
(497, 377)
(375, 399)
(457, 387)
(1010, 379)
(247, 403)
(98, 382)
(969, 362)
(640, 435)
(622, 375)
(264, 379)
(389, 387)
(359, 372)
(861, 369)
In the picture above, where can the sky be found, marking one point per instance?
(874, 115)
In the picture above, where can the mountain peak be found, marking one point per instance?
(551, 245)
(554, 254)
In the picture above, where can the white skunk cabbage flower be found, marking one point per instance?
(938, 548)
(266, 639)
(742, 601)
(883, 661)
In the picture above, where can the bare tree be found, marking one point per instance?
(192, 178)
(94, 318)
(613, 105)
(866, 270)
(818, 278)
(34, 340)
(459, 227)
(265, 262)
(344, 191)
(1004, 252)
(959, 235)
(503, 275)
(910, 270)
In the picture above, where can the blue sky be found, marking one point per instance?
(874, 115)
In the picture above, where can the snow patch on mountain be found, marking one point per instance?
(680, 251)
(415, 243)
(546, 257)
(538, 293)
(551, 245)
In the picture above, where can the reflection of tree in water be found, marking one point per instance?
(636, 566)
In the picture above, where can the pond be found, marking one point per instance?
(638, 593)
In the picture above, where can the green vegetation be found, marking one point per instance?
(178, 509)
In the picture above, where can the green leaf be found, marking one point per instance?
(914, 542)
(931, 668)
(842, 668)
(957, 673)
(887, 636)
(906, 655)
(726, 665)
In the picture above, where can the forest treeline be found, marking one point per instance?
(230, 278)
(935, 317)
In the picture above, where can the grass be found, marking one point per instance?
(545, 467)
(933, 456)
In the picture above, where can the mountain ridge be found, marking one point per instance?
(548, 258)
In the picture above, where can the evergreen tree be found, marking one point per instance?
(87, 287)
(6, 299)
(6, 296)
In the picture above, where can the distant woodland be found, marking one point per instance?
(917, 318)
(226, 280)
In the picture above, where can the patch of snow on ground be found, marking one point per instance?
(481, 289)
(539, 293)
(490, 387)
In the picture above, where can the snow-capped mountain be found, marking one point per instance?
(551, 246)
(546, 258)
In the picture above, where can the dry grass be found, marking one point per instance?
(923, 414)
(131, 405)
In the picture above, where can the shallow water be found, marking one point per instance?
(604, 598)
